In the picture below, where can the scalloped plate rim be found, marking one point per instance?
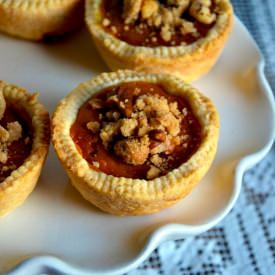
(168, 231)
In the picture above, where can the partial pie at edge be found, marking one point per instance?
(15, 188)
(127, 196)
(36, 20)
(189, 61)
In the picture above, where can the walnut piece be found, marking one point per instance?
(156, 160)
(166, 33)
(131, 9)
(96, 103)
(4, 135)
(3, 154)
(158, 135)
(200, 9)
(159, 148)
(153, 172)
(113, 115)
(187, 27)
(93, 126)
(149, 8)
(113, 99)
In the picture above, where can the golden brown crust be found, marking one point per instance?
(187, 62)
(35, 20)
(16, 188)
(124, 196)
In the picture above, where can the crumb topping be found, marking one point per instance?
(14, 130)
(150, 126)
(165, 19)
(136, 130)
(133, 150)
(11, 132)
(7, 136)
(140, 130)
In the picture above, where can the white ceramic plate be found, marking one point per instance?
(57, 231)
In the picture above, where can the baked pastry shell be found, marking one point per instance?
(16, 188)
(187, 62)
(36, 19)
(126, 196)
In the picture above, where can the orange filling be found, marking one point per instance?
(111, 134)
(17, 151)
(181, 29)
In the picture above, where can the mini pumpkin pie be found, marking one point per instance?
(181, 37)
(135, 143)
(39, 19)
(24, 141)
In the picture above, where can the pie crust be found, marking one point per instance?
(188, 62)
(21, 182)
(124, 196)
(36, 19)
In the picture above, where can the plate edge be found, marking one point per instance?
(46, 264)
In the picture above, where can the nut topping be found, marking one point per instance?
(140, 128)
(158, 135)
(169, 16)
(11, 133)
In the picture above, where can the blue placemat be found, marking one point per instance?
(244, 243)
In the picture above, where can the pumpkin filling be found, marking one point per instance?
(154, 23)
(136, 130)
(15, 139)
